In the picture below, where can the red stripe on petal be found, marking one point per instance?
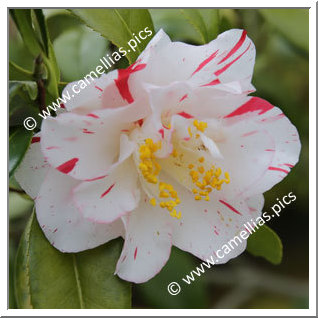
(235, 47)
(67, 166)
(185, 115)
(97, 87)
(278, 169)
(35, 139)
(135, 254)
(92, 115)
(230, 207)
(289, 165)
(183, 97)
(161, 132)
(254, 104)
(224, 68)
(97, 178)
(206, 61)
(85, 131)
(52, 147)
(122, 81)
(253, 132)
(214, 82)
(140, 122)
(107, 191)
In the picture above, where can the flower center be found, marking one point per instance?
(150, 169)
(203, 175)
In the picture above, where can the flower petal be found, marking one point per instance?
(85, 147)
(33, 169)
(62, 223)
(206, 226)
(106, 199)
(87, 95)
(259, 146)
(147, 243)
(228, 58)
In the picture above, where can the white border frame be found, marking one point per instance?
(312, 167)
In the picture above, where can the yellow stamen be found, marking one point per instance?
(190, 132)
(153, 201)
(201, 169)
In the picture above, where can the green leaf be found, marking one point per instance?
(211, 18)
(194, 17)
(19, 141)
(49, 57)
(19, 205)
(74, 52)
(12, 253)
(23, 21)
(17, 73)
(292, 23)
(60, 23)
(155, 294)
(28, 86)
(22, 101)
(204, 21)
(118, 26)
(266, 243)
(46, 278)
(43, 29)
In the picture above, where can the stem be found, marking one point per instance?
(38, 73)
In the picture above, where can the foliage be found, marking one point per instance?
(47, 278)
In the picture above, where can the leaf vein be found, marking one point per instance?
(78, 283)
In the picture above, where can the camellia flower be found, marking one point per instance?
(170, 151)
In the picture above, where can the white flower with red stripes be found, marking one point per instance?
(170, 151)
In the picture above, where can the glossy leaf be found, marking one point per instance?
(23, 21)
(204, 21)
(49, 57)
(28, 86)
(19, 205)
(19, 141)
(194, 17)
(46, 278)
(118, 26)
(12, 253)
(266, 243)
(212, 22)
(17, 73)
(60, 23)
(74, 52)
(22, 101)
